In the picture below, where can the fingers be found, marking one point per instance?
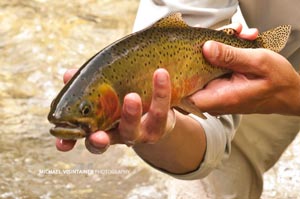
(69, 74)
(244, 33)
(212, 97)
(237, 92)
(250, 34)
(65, 145)
(98, 142)
(230, 57)
(130, 118)
(155, 122)
(240, 60)
(147, 129)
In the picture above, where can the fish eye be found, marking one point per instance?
(85, 108)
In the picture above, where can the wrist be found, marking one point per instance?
(292, 101)
(296, 106)
(180, 151)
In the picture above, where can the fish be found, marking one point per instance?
(93, 98)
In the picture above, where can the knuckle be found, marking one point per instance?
(159, 115)
(261, 59)
(161, 93)
(229, 56)
(233, 101)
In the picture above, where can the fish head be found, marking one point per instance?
(77, 114)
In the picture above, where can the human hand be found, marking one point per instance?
(133, 127)
(262, 82)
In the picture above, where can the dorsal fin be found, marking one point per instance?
(276, 38)
(173, 20)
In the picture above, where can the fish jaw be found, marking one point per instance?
(72, 128)
(68, 133)
(68, 126)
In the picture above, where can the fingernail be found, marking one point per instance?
(131, 108)
(213, 49)
(162, 78)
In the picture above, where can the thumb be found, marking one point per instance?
(225, 56)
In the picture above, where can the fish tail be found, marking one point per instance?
(275, 39)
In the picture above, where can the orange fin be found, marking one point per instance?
(109, 105)
(186, 107)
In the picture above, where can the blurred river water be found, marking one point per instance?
(39, 41)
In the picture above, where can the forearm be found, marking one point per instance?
(179, 152)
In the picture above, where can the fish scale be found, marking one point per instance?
(93, 98)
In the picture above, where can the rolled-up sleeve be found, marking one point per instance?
(219, 133)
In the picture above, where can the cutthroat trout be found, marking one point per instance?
(93, 98)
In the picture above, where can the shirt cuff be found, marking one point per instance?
(219, 134)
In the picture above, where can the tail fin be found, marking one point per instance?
(275, 39)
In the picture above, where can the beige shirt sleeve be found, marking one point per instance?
(202, 13)
(219, 135)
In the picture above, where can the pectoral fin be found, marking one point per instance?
(186, 107)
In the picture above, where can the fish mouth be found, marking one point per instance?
(68, 131)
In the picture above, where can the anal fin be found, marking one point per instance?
(186, 107)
